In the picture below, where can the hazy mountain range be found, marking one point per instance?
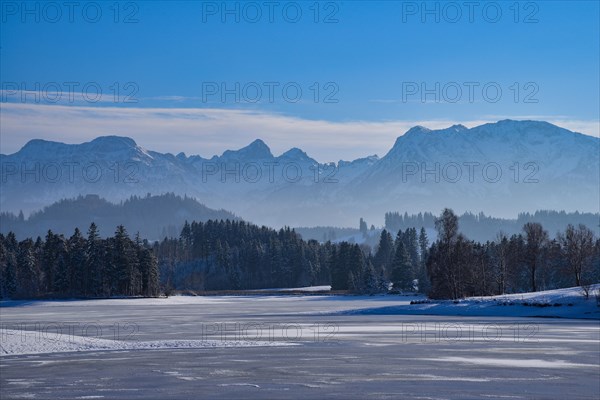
(499, 168)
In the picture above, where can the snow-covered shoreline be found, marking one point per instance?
(558, 303)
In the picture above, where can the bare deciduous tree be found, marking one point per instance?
(535, 238)
(578, 248)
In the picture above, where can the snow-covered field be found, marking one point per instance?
(314, 346)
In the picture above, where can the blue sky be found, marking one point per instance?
(369, 63)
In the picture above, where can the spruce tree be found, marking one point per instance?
(149, 273)
(3, 256)
(401, 269)
(27, 276)
(412, 247)
(77, 262)
(355, 264)
(422, 276)
(123, 271)
(384, 254)
(48, 262)
(61, 281)
(9, 278)
(339, 272)
(369, 281)
(94, 271)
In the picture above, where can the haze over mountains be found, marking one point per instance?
(153, 217)
(500, 168)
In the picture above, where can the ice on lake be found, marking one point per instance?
(288, 346)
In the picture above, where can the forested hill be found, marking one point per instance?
(154, 217)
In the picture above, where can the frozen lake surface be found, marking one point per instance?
(280, 347)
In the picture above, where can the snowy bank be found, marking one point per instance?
(559, 303)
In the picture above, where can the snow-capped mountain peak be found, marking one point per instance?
(296, 154)
(112, 142)
(415, 130)
(255, 150)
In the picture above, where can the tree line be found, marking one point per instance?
(228, 254)
(525, 262)
(235, 255)
(77, 266)
(484, 227)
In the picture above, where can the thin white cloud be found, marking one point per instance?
(177, 99)
(75, 97)
(384, 101)
(207, 131)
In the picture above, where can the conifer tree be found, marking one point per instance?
(123, 271)
(77, 262)
(94, 281)
(401, 269)
(384, 254)
(28, 275)
(422, 276)
(9, 283)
